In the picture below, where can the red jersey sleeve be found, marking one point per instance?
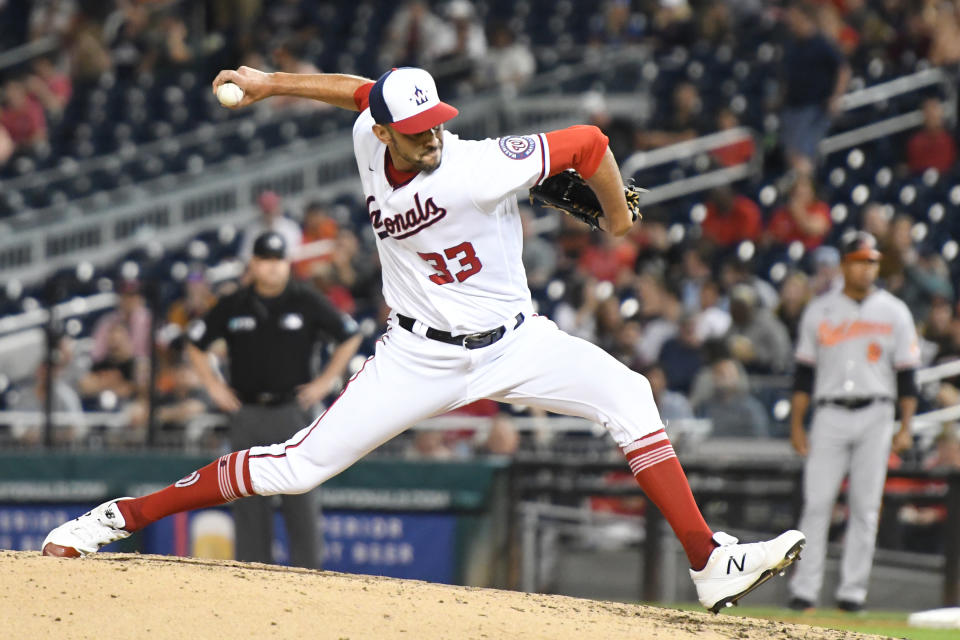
(580, 147)
(361, 97)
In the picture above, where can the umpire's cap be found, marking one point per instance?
(860, 246)
(270, 244)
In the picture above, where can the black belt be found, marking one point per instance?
(853, 403)
(268, 398)
(468, 340)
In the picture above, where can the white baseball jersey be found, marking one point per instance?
(444, 263)
(857, 347)
(450, 246)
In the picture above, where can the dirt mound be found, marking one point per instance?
(134, 596)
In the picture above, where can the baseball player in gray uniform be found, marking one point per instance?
(856, 354)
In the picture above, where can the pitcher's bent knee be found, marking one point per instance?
(631, 410)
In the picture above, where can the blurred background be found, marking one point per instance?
(127, 192)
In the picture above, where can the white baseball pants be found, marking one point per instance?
(411, 377)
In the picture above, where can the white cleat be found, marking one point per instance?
(87, 533)
(734, 570)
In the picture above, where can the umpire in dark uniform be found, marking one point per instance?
(272, 327)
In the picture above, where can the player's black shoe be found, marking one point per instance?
(850, 606)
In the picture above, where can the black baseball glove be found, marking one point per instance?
(569, 193)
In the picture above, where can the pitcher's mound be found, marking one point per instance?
(134, 596)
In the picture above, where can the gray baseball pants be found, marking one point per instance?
(255, 425)
(843, 441)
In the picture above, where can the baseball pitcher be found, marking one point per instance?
(462, 326)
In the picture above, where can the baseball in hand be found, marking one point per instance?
(229, 94)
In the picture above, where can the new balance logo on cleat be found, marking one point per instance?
(734, 570)
(732, 562)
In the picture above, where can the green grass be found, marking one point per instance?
(892, 624)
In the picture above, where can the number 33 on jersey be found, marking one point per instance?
(452, 241)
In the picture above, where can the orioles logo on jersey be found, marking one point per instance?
(830, 335)
(411, 221)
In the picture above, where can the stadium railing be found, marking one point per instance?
(920, 81)
(91, 229)
(10, 58)
(711, 176)
(685, 432)
(691, 149)
(322, 169)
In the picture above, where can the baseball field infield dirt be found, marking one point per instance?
(121, 596)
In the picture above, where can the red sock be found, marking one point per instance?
(223, 480)
(657, 470)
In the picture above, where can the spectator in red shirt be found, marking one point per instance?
(131, 313)
(736, 152)
(50, 86)
(731, 218)
(932, 146)
(803, 217)
(317, 225)
(611, 260)
(22, 115)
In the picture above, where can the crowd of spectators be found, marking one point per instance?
(712, 332)
(476, 46)
(715, 337)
